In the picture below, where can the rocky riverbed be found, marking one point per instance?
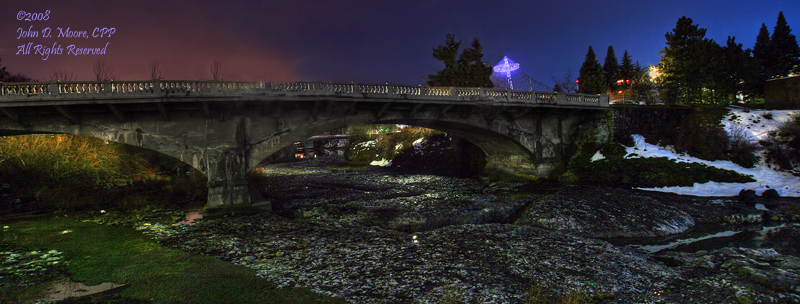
(381, 236)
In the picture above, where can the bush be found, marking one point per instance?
(613, 150)
(626, 141)
(363, 148)
(742, 148)
(783, 146)
(701, 135)
(652, 172)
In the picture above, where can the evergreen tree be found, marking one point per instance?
(590, 77)
(468, 70)
(762, 49)
(641, 85)
(611, 69)
(6, 76)
(762, 52)
(785, 50)
(686, 63)
(626, 71)
(739, 71)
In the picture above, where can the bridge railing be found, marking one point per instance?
(203, 87)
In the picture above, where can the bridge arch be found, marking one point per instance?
(224, 129)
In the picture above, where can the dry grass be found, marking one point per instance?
(62, 170)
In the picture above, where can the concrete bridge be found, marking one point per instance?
(224, 129)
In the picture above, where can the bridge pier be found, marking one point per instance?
(227, 180)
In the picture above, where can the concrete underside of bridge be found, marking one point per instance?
(225, 140)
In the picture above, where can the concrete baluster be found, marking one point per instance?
(107, 87)
(157, 87)
(52, 87)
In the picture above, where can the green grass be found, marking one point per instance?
(99, 253)
(652, 172)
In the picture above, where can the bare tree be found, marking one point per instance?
(156, 70)
(103, 70)
(566, 82)
(61, 75)
(216, 70)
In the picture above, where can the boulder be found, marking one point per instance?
(747, 194)
(770, 194)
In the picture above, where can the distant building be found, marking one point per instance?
(783, 89)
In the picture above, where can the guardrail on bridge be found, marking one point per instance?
(60, 89)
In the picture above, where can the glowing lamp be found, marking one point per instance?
(506, 66)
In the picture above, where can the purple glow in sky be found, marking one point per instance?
(361, 41)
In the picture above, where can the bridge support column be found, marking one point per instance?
(518, 164)
(227, 180)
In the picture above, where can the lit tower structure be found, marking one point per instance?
(508, 75)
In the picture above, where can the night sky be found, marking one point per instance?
(362, 41)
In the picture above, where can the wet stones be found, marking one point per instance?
(738, 219)
(605, 213)
(760, 275)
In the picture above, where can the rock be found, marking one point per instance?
(605, 212)
(746, 218)
(747, 194)
(770, 194)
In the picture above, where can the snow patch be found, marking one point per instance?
(598, 156)
(786, 184)
(382, 163)
(367, 144)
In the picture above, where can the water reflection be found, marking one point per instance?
(64, 288)
(704, 238)
(191, 216)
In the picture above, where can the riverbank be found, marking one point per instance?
(376, 235)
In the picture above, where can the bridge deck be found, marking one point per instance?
(127, 92)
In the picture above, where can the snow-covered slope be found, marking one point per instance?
(755, 125)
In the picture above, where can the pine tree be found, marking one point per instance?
(626, 71)
(590, 77)
(785, 49)
(611, 69)
(762, 52)
(686, 63)
(762, 49)
(739, 71)
(467, 71)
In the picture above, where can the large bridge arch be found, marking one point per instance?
(224, 129)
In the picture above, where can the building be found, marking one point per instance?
(783, 89)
